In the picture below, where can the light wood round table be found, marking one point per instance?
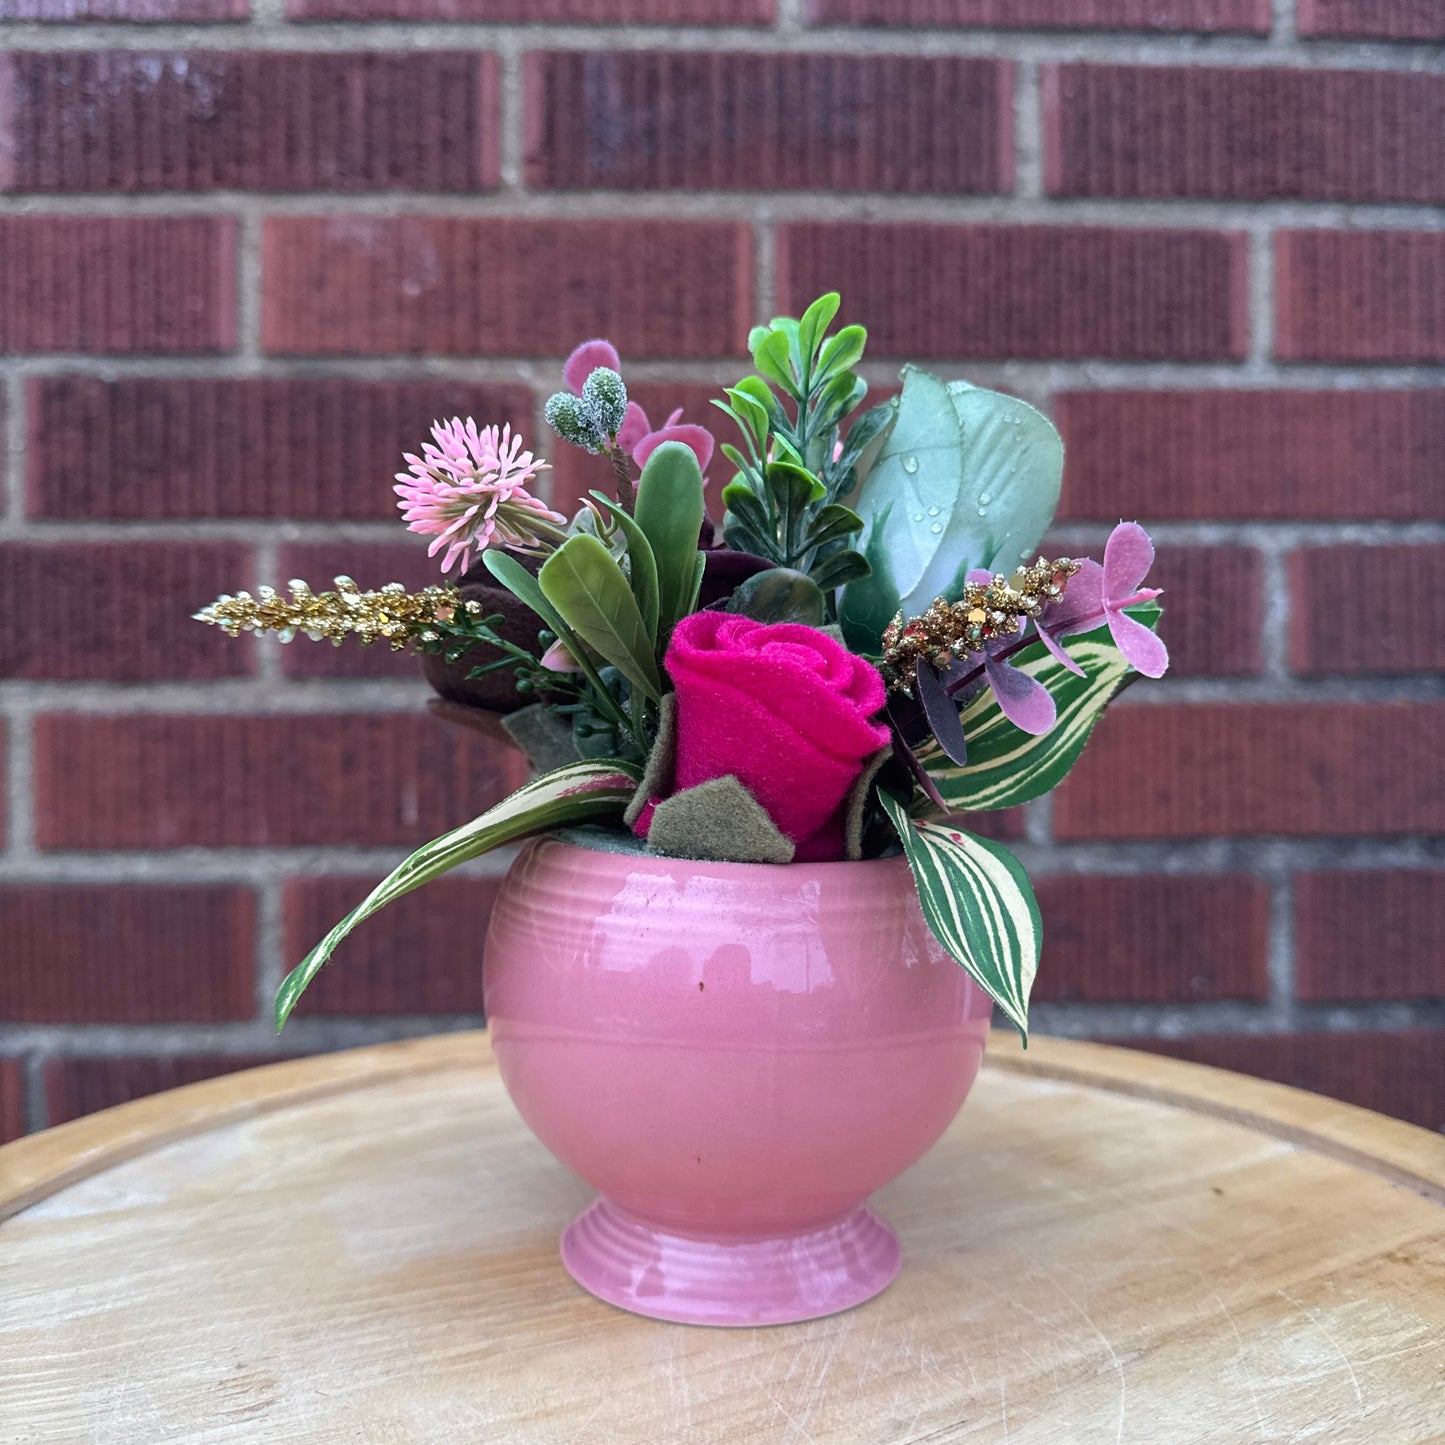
(362, 1247)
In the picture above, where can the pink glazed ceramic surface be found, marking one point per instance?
(735, 1056)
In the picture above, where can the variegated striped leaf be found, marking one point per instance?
(979, 904)
(1007, 766)
(572, 794)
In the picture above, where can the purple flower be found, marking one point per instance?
(1022, 699)
(1101, 594)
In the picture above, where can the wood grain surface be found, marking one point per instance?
(1106, 1246)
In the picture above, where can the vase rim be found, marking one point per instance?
(582, 839)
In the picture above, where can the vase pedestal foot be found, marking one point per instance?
(724, 1279)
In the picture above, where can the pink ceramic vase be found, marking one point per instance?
(735, 1056)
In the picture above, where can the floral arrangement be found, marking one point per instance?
(869, 646)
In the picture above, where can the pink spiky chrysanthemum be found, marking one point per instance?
(469, 490)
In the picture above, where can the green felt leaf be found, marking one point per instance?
(582, 580)
(1007, 766)
(656, 780)
(544, 736)
(978, 903)
(779, 595)
(641, 565)
(720, 821)
(669, 510)
(579, 793)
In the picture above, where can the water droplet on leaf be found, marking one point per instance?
(910, 464)
(985, 499)
(936, 528)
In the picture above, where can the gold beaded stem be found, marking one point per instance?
(948, 631)
(390, 614)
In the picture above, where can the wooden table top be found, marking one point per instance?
(1106, 1246)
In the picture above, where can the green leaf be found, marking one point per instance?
(787, 328)
(1012, 465)
(779, 595)
(752, 413)
(843, 351)
(772, 358)
(743, 503)
(522, 585)
(742, 538)
(583, 582)
(1007, 766)
(572, 794)
(833, 524)
(815, 322)
(642, 565)
(762, 393)
(669, 510)
(978, 903)
(869, 431)
(840, 569)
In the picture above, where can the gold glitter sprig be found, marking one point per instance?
(949, 631)
(391, 614)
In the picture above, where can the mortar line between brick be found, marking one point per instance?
(1203, 857)
(269, 959)
(791, 20)
(19, 784)
(1108, 47)
(765, 299)
(1260, 250)
(37, 1115)
(1283, 32)
(1147, 213)
(1280, 957)
(511, 137)
(1274, 637)
(249, 215)
(1028, 131)
(14, 397)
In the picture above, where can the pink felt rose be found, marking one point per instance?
(784, 709)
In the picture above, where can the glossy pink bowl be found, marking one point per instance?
(735, 1056)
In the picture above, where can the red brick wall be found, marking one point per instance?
(248, 251)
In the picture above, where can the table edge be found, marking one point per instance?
(40, 1165)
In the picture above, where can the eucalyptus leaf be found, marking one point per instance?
(779, 595)
(669, 509)
(1013, 463)
(967, 478)
(583, 582)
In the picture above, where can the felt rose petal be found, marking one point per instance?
(634, 427)
(785, 710)
(689, 433)
(586, 359)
